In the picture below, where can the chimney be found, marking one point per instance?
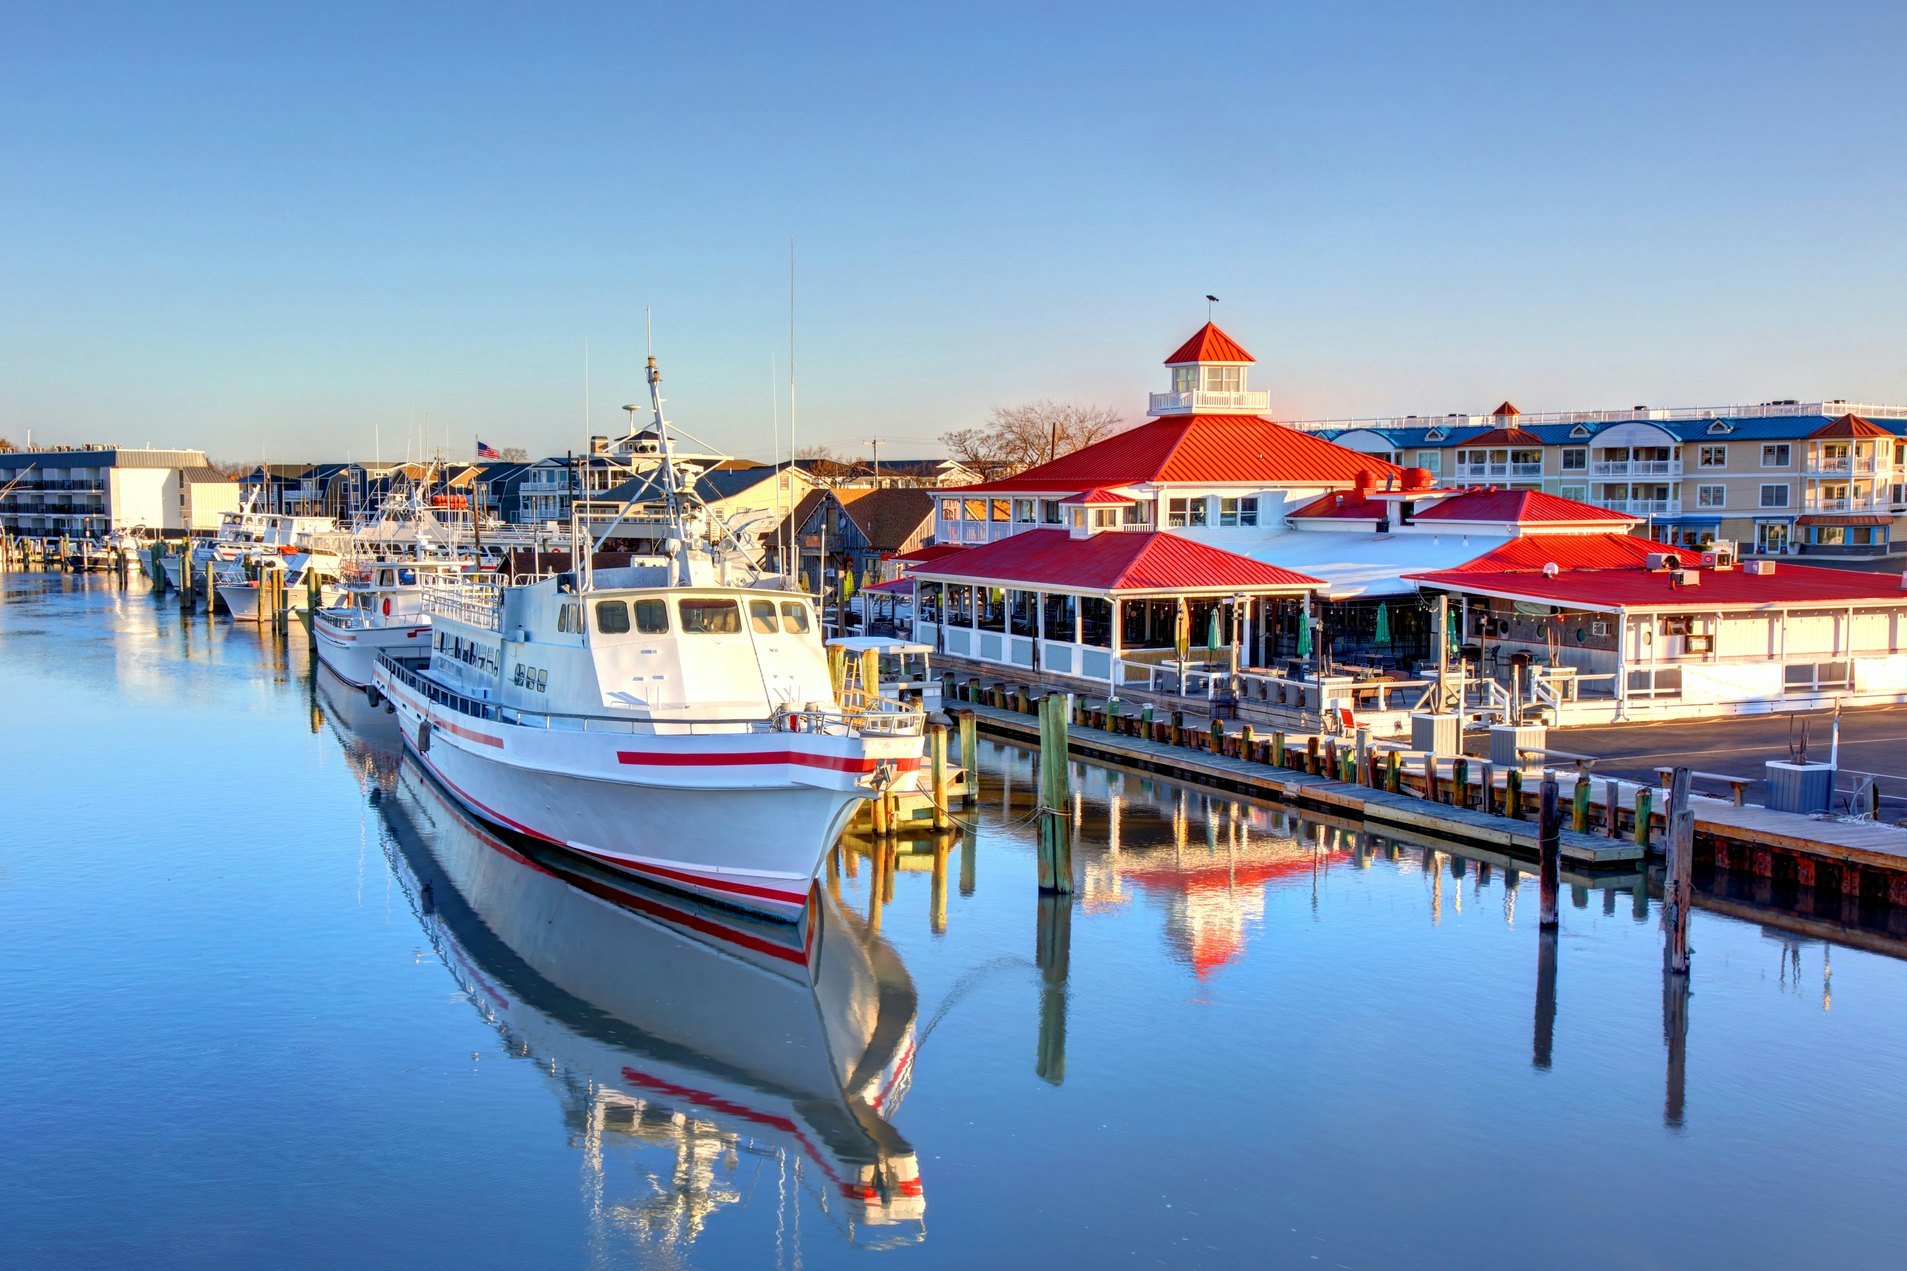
(599, 445)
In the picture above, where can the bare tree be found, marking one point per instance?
(1018, 437)
(513, 454)
(6, 446)
(825, 468)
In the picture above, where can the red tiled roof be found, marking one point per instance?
(1504, 437)
(1612, 589)
(1519, 507)
(1849, 425)
(1096, 496)
(1528, 554)
(1505, 409)
(1114, 561)
(1209, 344)
(1200, 449)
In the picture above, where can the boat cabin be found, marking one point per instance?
(906, 670)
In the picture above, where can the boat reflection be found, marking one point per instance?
(685, 1045)
(367, 735)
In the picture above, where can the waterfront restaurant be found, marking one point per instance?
(1101, 603)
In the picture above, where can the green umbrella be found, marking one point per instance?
(1383, 624)
(1304, 636)
(1212, 643)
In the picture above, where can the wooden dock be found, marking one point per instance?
(1864, 861)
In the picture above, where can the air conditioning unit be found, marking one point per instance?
(1685, 578)
(1664, 560)
(1760, 567)
(1718, 555)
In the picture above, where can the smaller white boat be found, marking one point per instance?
(380, 611)
(240, 587)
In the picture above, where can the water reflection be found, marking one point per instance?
(686, 1047)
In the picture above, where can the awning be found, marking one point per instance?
(892, 587)
(1859, 518)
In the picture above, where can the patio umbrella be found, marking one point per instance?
(1383, 624)
(1212, 643)
(1182, 634)
(1304, 636)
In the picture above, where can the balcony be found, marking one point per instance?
(1864, 503)
(1197, 399)
(1497, 471)
(1637, 468)
(1863, 465)
(1644, 507)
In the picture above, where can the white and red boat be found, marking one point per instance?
(672, 716)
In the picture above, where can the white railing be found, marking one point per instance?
(1844, 467)
(1643, 507)
(478, 603)
(1872, 503)
(1498, 470)
(1766, 410)
(1638, 468)
(1199, 399)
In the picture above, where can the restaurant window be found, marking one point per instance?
(1059, 616)
(1238, 511)
(950, 509)
(992, 605)
(959, 605)
(1023, 511)
(1049, 511)
(761, 616)
(795, 615)
(612, 617)
(1023, 612)
(1000, 509)
(1105, 518)
(652, 617)
(710, 617)
(1185, 512)
(927, 601)
(1095, 622)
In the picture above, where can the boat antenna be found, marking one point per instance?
(671, 493)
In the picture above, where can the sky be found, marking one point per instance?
(303, 232)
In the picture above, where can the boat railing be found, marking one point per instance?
(477, 602)
(814, 718)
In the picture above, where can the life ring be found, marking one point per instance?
(794, 723)
(387, 606)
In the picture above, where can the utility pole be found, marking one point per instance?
(876, 443)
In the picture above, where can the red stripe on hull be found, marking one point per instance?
(834, 763)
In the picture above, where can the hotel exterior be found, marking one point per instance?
(97, 490)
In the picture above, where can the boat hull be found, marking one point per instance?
(739, 819)
(351, 653)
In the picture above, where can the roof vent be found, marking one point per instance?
(1685, 578)
(1551, 569)
(1418, 479)
(1760, 567)
(1664, 560)
(1361, 482)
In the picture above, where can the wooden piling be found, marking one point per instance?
(1430, 778)
(1460, 781)
(1513, 794)
(937, 767)
(1278, 749)
(1579, 806)
(969, 757)
(1543, 1044)
(1055, 841)
(1644, 801)
(879, 810)
(314, 599)
(1311, 755)
(1549, 848)
(1053, 941)
(1678, 885)
(1612, 807)
(1393, 773)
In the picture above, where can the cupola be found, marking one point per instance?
(1209, 373)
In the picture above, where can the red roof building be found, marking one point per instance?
(1123, 564)
(1209, 344)
(1638, 589)
(1849, 425)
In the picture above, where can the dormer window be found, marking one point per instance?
(1435, 434)
(1580, 430)
(1720, 426)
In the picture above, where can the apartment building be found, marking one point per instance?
(93, 491)
(1824, 479)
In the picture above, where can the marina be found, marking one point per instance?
(408, 1004)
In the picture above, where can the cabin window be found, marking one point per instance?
(612, 617)
(959, 605)
(992, 605)
(652, 617)
(1023, 609)
(710, 617)
(1059, 616)
(795, 615)
(406, 577)
(1023, 511)
(761, 615)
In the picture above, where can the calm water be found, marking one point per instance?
(271, 1002)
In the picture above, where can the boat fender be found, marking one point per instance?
(423, 736)
(371, 694)
(794, 723)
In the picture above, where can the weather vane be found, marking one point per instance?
(1210, 300)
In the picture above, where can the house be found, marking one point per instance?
(834, 530)
(752, 501)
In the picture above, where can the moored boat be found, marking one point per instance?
(670, 716)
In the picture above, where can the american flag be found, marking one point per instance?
(487, 452)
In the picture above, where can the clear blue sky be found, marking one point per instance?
(277, 232)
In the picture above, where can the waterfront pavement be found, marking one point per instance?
(1873, 743)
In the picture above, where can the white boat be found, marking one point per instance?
(905, 669)
(380, 611)
(672, 717)
(241, 591)
(682, 1043)
(248, 532)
